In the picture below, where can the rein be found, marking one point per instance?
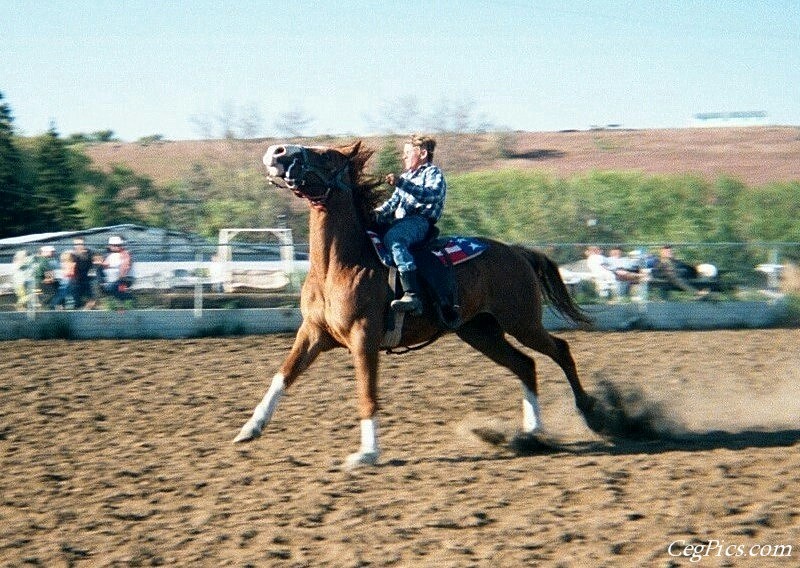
(409, 348)
(297, 183)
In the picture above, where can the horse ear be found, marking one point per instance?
(352, 150)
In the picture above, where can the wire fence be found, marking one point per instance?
(246, 275)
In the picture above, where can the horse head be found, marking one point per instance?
(311, 172)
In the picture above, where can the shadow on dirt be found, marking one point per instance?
(520, 445)
(630, 423)
(688, 442)
(627, 423)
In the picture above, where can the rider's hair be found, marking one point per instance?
(425, 142)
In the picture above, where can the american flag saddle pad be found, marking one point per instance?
(449, 250)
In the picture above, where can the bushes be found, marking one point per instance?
(530, 206)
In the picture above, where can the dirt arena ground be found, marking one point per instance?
(118, 453)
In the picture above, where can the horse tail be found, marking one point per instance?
(553, 286)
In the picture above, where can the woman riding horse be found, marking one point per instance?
(345, 297)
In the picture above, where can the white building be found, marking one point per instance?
(736, 118)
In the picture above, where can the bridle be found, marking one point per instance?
(298, 172)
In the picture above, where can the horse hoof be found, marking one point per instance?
(360, 459)
(247, 433)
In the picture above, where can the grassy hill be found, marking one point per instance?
(754, 155)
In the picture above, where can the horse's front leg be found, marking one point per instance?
(308, 344)
(365, 359)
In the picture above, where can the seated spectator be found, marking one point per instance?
(670, 273)
(624, 269)
(604, 279)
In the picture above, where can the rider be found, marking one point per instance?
(411, 211)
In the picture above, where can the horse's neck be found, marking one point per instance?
(336, 239)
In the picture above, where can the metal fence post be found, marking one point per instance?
(31, 311)
(198, 289)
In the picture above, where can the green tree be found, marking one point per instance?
(120, 196)
(772, 212)
(15, 199)
(56, 185)
(388, 159)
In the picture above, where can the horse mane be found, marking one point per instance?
(367, 192)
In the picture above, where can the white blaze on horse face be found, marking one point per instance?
(531, 413)
(276, 151)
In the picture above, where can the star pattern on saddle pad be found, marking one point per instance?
(453, 250)
(460, 249)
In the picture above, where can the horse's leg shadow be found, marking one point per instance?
(534, 444)
(520, 443)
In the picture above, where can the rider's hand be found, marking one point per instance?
(390, 179)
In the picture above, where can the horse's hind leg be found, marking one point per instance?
(485, 334)
(539, 339)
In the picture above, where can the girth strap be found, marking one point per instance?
(395, 328)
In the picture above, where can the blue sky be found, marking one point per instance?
(148, 67)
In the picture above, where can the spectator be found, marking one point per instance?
(98, 280)
(623, 269)
(22, 278)
(44, 275)
(604, 279)
(83, 292)
(65, 275)
(671, 273)
(118, 268)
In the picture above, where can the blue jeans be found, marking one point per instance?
(403, 234)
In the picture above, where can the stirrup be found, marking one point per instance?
(410, 302)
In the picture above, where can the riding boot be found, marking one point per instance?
(410, 302)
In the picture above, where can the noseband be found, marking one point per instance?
(300, 169)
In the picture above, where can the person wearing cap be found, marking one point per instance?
(118, 268)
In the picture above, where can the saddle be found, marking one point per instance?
(435, 258)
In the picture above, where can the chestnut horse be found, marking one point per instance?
(345, 297)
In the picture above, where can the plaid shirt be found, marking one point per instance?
(421, 192)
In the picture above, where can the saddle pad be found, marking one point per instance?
(449, 250)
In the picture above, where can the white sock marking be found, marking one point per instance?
(266, 408)
(369, 436)
(531, 413)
